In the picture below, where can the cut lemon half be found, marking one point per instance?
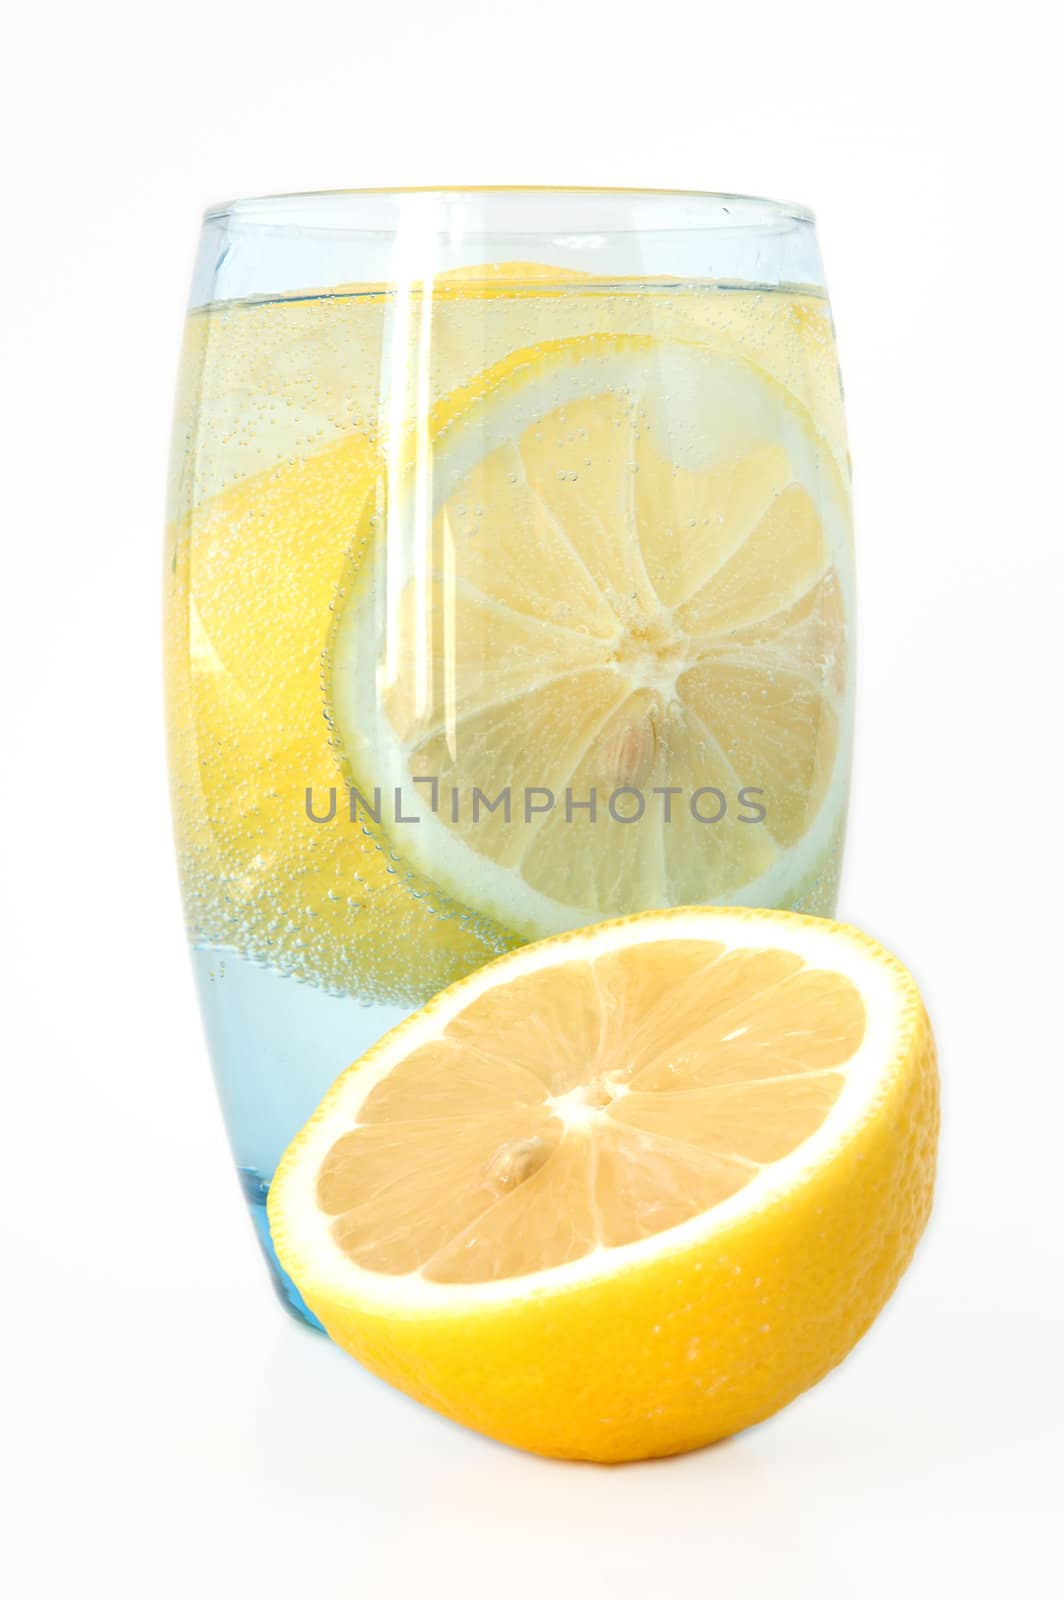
(602, 660)
(627, 1190)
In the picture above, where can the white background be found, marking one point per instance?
(166, 1430)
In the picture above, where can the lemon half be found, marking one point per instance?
(627, 1190)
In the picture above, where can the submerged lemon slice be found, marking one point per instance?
(251, 582)
(602, 660)
(627, 1190)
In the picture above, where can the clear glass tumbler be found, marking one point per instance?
(509, 587)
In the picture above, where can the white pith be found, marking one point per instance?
(890, 1006)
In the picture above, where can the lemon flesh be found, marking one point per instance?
(626, 1190)
(611, 669)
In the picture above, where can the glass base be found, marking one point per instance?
(256, 1188)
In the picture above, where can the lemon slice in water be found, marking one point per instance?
(250, 586)
(601, 661)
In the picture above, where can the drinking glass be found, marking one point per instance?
(509, 587)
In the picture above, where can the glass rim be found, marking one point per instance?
(724, 209)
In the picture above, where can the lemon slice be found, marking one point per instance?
(250, 585)
(629, 1189)
(602, 660)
